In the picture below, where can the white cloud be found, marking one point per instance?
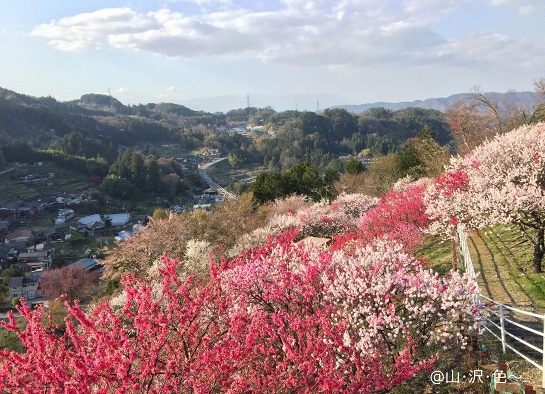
(302, 33)
(530, 9)
(489, 51)
(170, 92)
(122, 91)
(501, 2)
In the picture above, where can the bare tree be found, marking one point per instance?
(468, 125)
(481, 116)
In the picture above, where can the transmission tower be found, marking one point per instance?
(296, 106)
(109, 92)
(317, 106)
(248, 100)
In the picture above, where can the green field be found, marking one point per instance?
(226, 174)
(11, 188)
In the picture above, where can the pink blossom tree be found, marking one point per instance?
(400, 215)
(499, 182)
(282, 318)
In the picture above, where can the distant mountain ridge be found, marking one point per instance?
(439, 104)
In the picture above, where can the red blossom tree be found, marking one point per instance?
(272, 320)
(74, 283)
(400, 216)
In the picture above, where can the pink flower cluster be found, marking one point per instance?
(326, 220)
(282, 318)
(400, 216)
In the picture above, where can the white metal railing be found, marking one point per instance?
(491, 308)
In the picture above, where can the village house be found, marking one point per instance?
(58, 233)
(38, 255)
(23, 286)
(7, 255)
(20, 237)
(4, 228)
(85, 264)
(10, 210)
(32, 266)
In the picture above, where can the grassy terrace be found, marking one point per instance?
(503, 259)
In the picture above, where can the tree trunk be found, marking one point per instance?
(455, 255)
(539, 250)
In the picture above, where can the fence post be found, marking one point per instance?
(502, 323)
(543, 358)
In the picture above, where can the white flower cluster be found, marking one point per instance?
(387, 296)
(500, 182)
(317, 220)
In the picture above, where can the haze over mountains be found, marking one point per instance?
(439, 104)
(308, 101)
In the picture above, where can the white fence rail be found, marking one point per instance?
(506, 322)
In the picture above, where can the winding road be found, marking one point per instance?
(202, 171)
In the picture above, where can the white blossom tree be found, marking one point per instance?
(499, 182)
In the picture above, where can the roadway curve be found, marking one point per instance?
(211, 183)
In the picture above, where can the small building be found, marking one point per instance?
(32, 266)
(118, 219)
(210, 192)
(30, 208)
(160, 201)
(64, 215)
(57, 233)
(38, 255)
(4, 228)
(8, 254)
(10, 210)
(85, 264)
(20, 236)
(97, 229)
(90, 219)
(23, 286)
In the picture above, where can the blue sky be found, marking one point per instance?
(209, 54)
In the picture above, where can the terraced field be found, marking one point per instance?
(503, 259)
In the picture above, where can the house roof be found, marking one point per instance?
(31, 264)
(89, 219)
(44, 247)
(11, 206)
(35, 203)
(36, 254)
(95, 225)
(19, 233)
(18, 281)
(15, 281)
(84, 264)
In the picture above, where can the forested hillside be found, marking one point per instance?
(97, 124)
